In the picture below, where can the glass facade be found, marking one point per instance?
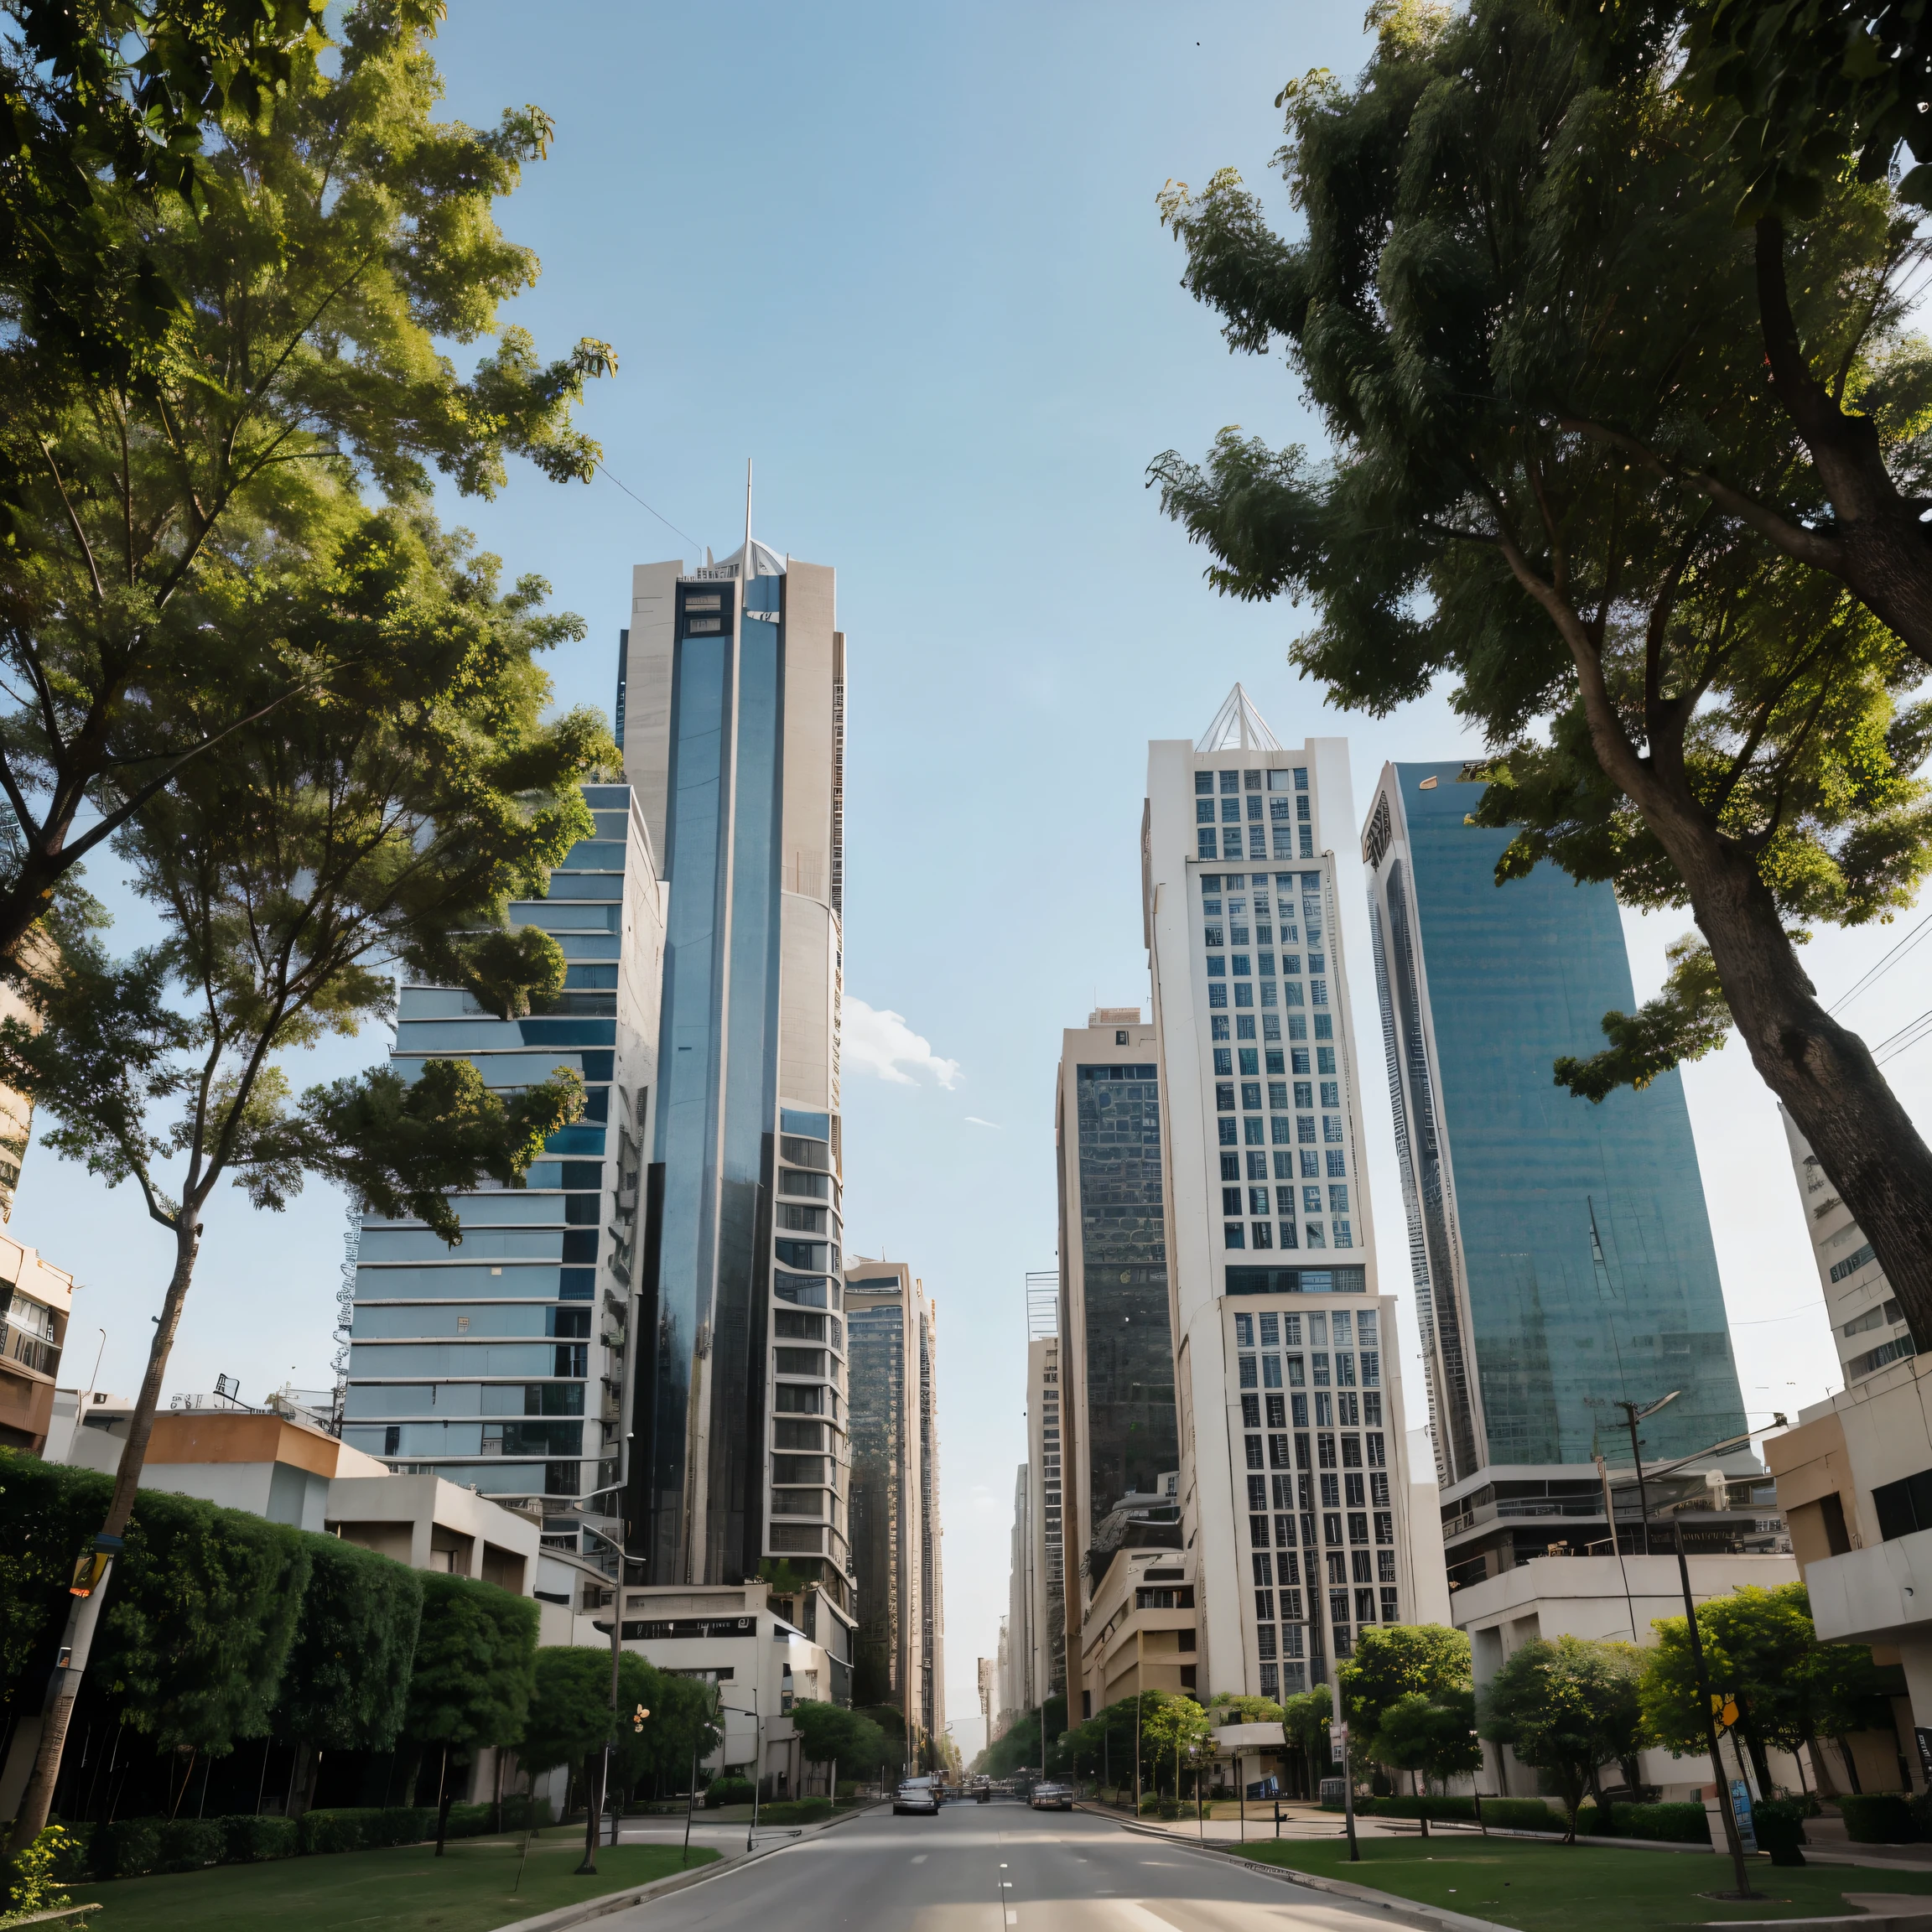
(1561, 1250)
(1127, 1351)
(478, 1362)
(879, 1425)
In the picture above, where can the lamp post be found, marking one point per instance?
(757, 1758)
(1733, 1840)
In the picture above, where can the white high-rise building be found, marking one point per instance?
(1294, 1477)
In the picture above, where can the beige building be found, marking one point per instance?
(1855, 1481)
(36, 1303)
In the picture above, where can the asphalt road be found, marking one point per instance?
(997, 1867)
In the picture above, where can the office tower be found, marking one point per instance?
(1868, 1325)
(1118, 1439)
(1293, 1486)
(1046, 1516)
(733, 678)
(500, 1363)
(1016, 1630)
(1560, 1251)
(892, 1339)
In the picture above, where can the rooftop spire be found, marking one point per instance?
(1238, 726)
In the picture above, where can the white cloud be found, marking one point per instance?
(974, 1121)
(880, 1042)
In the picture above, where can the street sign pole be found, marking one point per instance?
(1338, 1754)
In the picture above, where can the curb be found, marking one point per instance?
(1401, 1911)
(586, 1909)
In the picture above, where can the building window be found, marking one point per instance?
(1218, 996)
(1232, 1235)
(1230, 841)
(1250, 1057)
(1331, 1126)
(1230, 781)
(1330, 1485)
(1384, 1529)
(1305, 1127)
(1258, 1168)
(1377, 1457)
(1312, 1200)
(1204, 810)
(1378, 1488)
(1243, 1330)
(1337, 1165)
(1204, 843)
(1218, 1027)
(1217, 969)
(1230, 1200)
(1243, 994)
(1307, 833)
(1344, 1235)
(1271, 1366)
(1252, 1133)
(1204, 781)
(1251, 1096)
(1254, 1448)
(1227, 1133)
(1211, 935)
(1280, 1133)
(1231, 815)
(1312, 1235)
(1271, 1682)
(1224, 1061)
(1224, 1096)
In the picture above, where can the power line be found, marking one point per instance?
(641, 504)
(1908, 1035)
(1884, 965)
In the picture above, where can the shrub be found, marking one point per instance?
(1424, 1806)
(847, 1787)
(127, 1848)
(32, 1880)
(797, 1811)
(465, 1821)
(366, 1829)
(73, 1854)
(524, 1813)
(1780, 1826)
(1522, 1814)
(249, 1839)
(728, 1791)
(1878, 1818)
(1664, 1824)
(191, 1844)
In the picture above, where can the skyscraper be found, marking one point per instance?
(733, 680)
(1560, 1251)
(892, 1336)
(1293, 1488)
(1868, 1326)
(501, 1363)
(1117, 1409)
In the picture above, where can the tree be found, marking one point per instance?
(832, 1735)
(344, 835)
(1567, 1707)
(346, 1686)
(1562, 477)
(1171, 1733)
(1761, 1650)
(474, 1672)
(571, 1717)
(226, 265)
(1429, 1735)
(1305, 1720)
(1393, 1660)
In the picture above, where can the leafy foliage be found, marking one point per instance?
(234, 258)
(834, 1735)
(1567, 1707)
(1643, 488)
(475, 1666)
(200, 1622)
(1432, 1733)
(347, 1682)
(47, 1513)
(1394, 1660)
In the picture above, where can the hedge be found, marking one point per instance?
(1664, 1824)
(1505, 1813)
(796, 1811)
(1878, 1818)
(133, 1847)
(723, 1791)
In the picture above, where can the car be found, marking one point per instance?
(1051, 1797)
(917, 1795)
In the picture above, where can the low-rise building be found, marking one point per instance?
(1602, 1597)
(1855, 1479)
(36, 1301)
(1139, 1630)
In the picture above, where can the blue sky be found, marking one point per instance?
(908, 259)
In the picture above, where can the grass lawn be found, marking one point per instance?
(1581, 1887)
(406, 1889)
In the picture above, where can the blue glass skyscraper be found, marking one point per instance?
(1561, 1250)
(732, 677)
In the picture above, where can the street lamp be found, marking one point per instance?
(757, 1758)
(1733, 1839)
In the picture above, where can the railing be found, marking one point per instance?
(44, 1357)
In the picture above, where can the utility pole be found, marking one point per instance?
(1733, 1841)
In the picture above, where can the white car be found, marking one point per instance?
(1051, 1797)
(917, 1794)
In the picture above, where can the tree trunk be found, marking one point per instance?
(1851, 1766)
(1885, 553)
(442, 1802)
(38, 1799)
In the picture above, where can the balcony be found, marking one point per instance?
(30, 1351)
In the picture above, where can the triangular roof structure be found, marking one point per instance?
(765, 561)
(1238, 726)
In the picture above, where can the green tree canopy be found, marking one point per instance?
(1394, 1660)
(346, 1685)
(1169, 1733)
(1567, 1707)
(1226, 1707)
(831, 1734)
(230, 268)
(475, 1666)
(1430, 1734)
(1305, 1720)
(1560, 389)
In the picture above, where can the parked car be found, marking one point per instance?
(918, 1794)
(1051, 1797)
